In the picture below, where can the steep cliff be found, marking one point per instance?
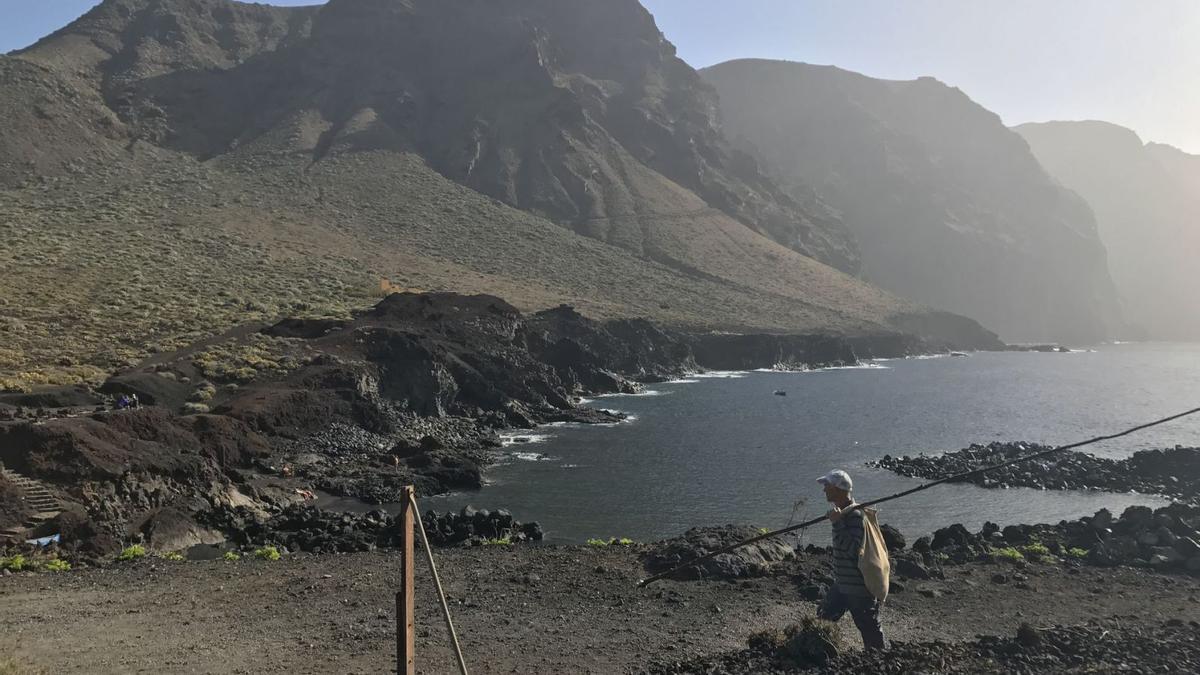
(1147, 202)
(949, 207)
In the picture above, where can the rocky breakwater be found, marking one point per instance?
(313, 530)
(1166, 539)
(1174, 472)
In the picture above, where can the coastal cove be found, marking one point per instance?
(723, 447)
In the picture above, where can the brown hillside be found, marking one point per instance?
(173, 168)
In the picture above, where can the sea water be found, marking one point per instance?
(724, 448)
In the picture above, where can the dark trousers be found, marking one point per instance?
(864, 611)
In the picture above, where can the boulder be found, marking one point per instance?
(170, 529)
(912, 569)
(1136, 517)
(1187, 546)
(1102, 520)
(955, 534)
(748, 561)
(892, 538)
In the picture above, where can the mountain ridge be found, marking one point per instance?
(161, 180)
(949, 206)
(1147, 201)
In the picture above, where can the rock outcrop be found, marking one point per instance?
(1166, 539)
(948, 205)
(748, 561)
(1173, 472)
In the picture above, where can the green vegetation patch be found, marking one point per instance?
(1008, 553)
(132, 553)
(612, 541)
(15, 563)
(1036, 551)
(243, 362)
(267, 553)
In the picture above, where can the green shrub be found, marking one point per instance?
(15, 563)
(1077, 552)
(1008, 553)
(132, 552)
(267, 553)
(1036, 550)
(231, 556)
(58, 565)
(611, 541)
(502, 541)
(173, 556)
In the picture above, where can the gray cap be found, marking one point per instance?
(838, 479)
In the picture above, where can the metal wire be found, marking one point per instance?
(919, 488)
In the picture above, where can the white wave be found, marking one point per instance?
(722, 374)
(569, 466)
(521, 439)
(532, 457)
(684, 381)
(861, 366)
(645, 392)
(628, 419)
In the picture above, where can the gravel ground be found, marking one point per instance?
(541, 609)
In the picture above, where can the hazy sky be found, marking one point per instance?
(1132, 62)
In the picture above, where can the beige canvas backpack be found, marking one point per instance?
(873, 559)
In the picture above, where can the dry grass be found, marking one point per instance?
(10, 666)
(243, 361)
(123, 262)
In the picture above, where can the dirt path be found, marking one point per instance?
(532, 610)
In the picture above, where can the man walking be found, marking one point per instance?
(849, 592)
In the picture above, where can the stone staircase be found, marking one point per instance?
(38, 500)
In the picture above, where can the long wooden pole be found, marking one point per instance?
(405, 598)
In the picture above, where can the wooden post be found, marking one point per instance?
(405, 664)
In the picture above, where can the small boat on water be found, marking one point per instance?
(780, 392)
(958, 353)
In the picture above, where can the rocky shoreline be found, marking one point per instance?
(1174, 472)
(411, 392)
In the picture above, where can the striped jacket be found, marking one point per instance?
(847, 540)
